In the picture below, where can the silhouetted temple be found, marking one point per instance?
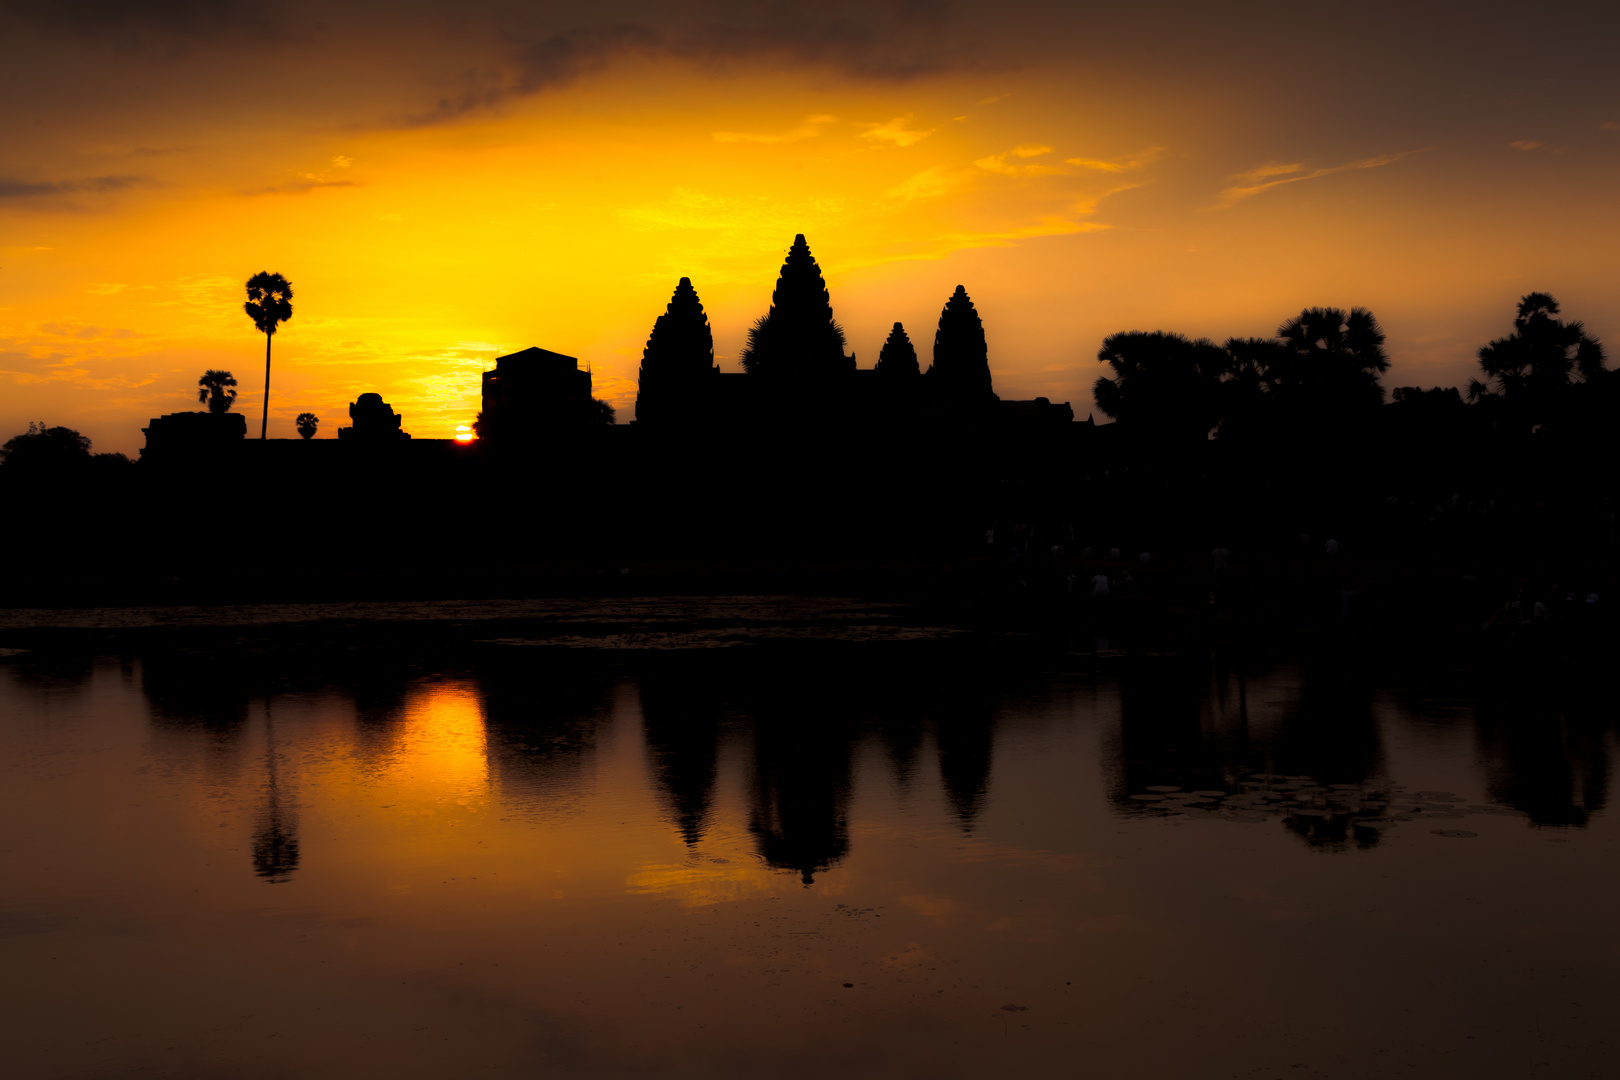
(801, 449)
(532, 394)
(373, 420)
(795, 366)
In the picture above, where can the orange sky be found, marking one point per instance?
(443, 184)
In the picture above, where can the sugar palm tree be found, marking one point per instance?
(1334, 359)
(1529, 373)
(306, 424)
(269, 304)
(215, 388)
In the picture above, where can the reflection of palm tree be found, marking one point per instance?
(215, 388)
(275, 841)
(269, 304)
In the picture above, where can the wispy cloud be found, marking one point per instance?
(1275, 174)
(1609, 125)
(897, 131)
(1003, 163)
(812, 126)
(13, 188)
(1524, 145)
(76, 330)
(1008, 238)
(1125, 164)
(304, 182)
(928, 184)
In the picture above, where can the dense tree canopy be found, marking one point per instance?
(44, 447)
(1528, 375)
(1163, 382)
(1330, 360)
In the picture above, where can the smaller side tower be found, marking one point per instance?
(898, 360)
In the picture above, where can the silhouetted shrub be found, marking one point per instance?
(42, 447)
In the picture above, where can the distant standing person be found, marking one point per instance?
(1218, 559)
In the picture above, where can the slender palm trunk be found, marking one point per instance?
(264, 421)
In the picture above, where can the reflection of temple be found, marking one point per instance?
(799, 734)
(801, 793)
(681, 723)
(1546, 757)
(541, 729)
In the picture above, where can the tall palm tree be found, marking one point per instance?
(215, 388)
(269, 303)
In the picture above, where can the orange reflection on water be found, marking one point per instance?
(438, 758)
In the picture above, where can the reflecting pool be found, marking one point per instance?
(889, 861)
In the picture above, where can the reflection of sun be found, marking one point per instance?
(442, 744)
(464, 433)
(704, 881)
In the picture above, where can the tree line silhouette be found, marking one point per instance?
(1269, 447)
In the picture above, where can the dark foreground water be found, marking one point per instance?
(738, 863)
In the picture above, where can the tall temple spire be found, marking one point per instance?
(797, 338)
(961, 367)
(678, 358)
(899, 357)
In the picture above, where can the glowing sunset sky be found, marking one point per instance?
(445, 182)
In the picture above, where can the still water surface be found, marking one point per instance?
(722, 866)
